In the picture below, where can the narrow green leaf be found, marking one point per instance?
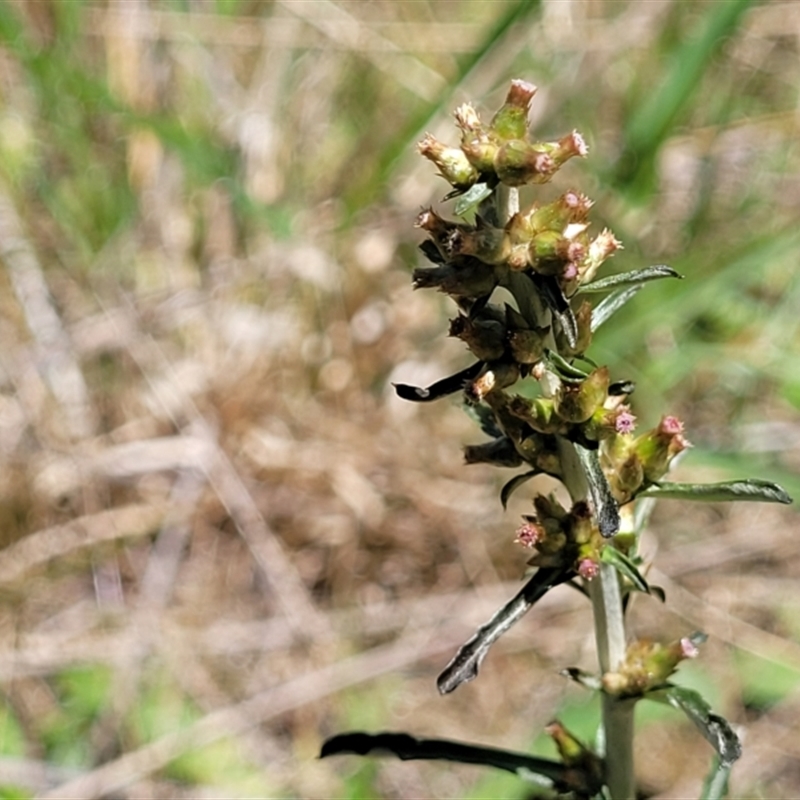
(514, 484)
(609, 306)
(564, 368)
(714, 728)
(636, 277)
(715, 786)
(750, 489)
(406, 748)
(625, 566)
(472, 198)
(464, 665)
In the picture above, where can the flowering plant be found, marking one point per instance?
(547, 407)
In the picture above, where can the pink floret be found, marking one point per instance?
(587, 568)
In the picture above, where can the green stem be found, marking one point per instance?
(609, 626)
(618, 732)
(604, 589)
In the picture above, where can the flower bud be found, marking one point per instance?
(577, 401)
(541, 451)
(453, 164)
(648, 665)
(476, 143)
(581, 523)
(527, 346)
(490, 245)
(606, 422)
(588, 568)
(440, 229)
(518, 162)
(551, 550)
(495, 376)
(662, 661)
(568, 147)
(572, 207)
(658, 447)
(539, 413)
(587, 766)
(530, 533)
(627, 478)
(549, 251)
(511, 121)
(550, 512)
(570, 749)
(485, 338)
(512, 426)
(602, 247)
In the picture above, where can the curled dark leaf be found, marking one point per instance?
(621, 387)
(658, 592)
(714, 728)
(553, 296)
(407, 748)
(449, 385)
(465, 664)
(605, 506)
(511, 486)
(585, 679)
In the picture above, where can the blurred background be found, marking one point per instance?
(223, 538)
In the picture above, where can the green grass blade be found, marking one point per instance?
(654, 120)
(401, 144)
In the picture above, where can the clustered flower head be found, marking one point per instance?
(633, 463)
(562, 538)
(549, 247)
(648, 665)
(549, 409)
